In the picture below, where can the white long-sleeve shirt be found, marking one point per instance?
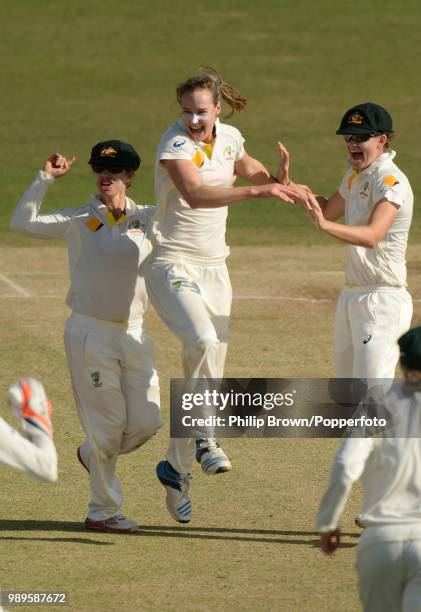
(390, 469)
(105, 255)
(36, 456)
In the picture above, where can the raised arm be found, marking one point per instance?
(26, 218)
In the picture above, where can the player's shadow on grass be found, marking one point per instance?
(239, 535)
(30, 525)
(306, 538)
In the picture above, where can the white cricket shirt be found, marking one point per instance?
(390, 469)
(104, 255)
(385, 263)
(177, 226)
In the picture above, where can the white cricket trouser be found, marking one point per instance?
(193, 296)
(34, 454)
(368, 324)
(389, 576)
(116, 390)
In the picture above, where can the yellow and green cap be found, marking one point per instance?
(114, 153)
(367, 118)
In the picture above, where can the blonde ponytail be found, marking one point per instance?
(208, 78)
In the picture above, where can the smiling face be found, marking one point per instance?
(199, 113)
(114, 183)
(363, 154)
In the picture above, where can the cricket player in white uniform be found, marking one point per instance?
(33, 450)
(389, 549)
(374, 308)
(110, 356)
(187, 278)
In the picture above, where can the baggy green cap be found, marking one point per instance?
(367, 118)
(114, 153)
(410, 345)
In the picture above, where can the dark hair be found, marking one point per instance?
(208, 78)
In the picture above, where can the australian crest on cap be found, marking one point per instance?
(356, 118)
(109, 152)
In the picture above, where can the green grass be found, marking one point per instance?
(75, 73)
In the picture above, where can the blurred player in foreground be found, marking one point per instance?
(110, 356)
(187, 277)
(33, 450)
(389, 550)
(374, 308)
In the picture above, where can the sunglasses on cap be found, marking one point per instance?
(358, 138)
(110, 169)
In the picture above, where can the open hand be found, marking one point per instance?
(315, 212)
(283, 168)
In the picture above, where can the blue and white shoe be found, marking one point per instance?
(211, 457)
(177, 486)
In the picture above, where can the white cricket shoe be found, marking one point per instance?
(28, 400)
(211, 457)
(177, 486)
(115, 524)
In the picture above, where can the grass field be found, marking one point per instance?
(252, 538)
(76, 73)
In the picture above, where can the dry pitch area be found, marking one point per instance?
(251, 543)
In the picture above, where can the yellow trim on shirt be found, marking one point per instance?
(208, 149)
(351, 178)
(112, 221)
(390, 180)
(198, 159)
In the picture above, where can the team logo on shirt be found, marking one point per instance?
(96, 379)
(364, 190)
(367, 339)
(229, 153)
(177, 144)
(136, 227)
(356, 118)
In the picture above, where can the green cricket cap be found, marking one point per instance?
(367, 118)
(410, 345)
(114, 153)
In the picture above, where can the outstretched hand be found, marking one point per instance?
(57, 165)
(315, 213)
(330, 541)
(283, 168)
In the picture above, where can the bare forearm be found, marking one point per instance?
(216, 197)
(359, 235)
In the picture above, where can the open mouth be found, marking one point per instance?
(357, 156)
(197, 130)
(106, 183)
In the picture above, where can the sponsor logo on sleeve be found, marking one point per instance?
(177, 144)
